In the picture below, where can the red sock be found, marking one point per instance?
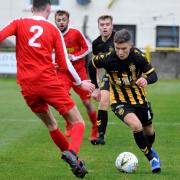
(76, 137)
(93, 118)
(59, 139)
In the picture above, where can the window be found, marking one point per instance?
(53, 2)
(83, 2)
(131, 28)
(167, 36)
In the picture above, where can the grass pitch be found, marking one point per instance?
(28, 153)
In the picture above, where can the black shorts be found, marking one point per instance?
(142, 111)
(104, 84)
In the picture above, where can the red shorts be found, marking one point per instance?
(40, 95)
(68, 83)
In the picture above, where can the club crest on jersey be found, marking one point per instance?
(132, 67)
(111, 49)
(70, 50)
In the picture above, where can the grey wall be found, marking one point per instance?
(167, 64)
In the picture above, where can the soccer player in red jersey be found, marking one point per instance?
(36, 39)
(77, 49)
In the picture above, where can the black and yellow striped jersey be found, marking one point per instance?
(124, 74)
(100, 46)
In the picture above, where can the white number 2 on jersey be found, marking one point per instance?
(39, 32)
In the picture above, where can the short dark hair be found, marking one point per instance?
(61, 13)
(103, 17)
(40, 4)
(122, 36)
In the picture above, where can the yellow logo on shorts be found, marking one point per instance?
(121, 111)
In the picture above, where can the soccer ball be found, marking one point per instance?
(126, 162)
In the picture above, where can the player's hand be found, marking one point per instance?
(96, 94)
(87, 85)
(71, 57)
(56, 66)
(141, 82)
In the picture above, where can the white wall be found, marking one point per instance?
(145, 14)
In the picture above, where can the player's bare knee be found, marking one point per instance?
(74, 115)
(89, 106)
(87, 103)
(52, 127)
(50, 123)
(136, 127)
(81, 121)
(77, 119)
(149, 130)
(103, 105)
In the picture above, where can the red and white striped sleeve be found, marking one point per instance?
(61, 58)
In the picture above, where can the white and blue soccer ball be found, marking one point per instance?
(126, 162)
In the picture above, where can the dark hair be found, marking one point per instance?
(103, 17)
(40, 4)
(122, 36)
(61, 13)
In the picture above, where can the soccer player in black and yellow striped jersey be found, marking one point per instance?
(103, 43)
(129, 73)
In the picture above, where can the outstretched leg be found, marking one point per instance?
(91, 110)
(70, 155)
(134, 123)
(55, 133)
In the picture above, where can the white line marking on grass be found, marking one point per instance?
(114, 122)
(156, 123)
(167, 124)
(19, 120)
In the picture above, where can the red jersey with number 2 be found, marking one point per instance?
(35, 40)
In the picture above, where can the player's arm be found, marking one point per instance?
(85, 47)
(148, 71)
(8, 30)
(92, 73)
(61, 58)
(150, 79)
(99, 72)
(98, 61)
(93, 76)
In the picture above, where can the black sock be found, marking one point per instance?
(143, 144)
(102, 120)
(151, 139)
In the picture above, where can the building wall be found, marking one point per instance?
(144, 13)
(167, 64)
